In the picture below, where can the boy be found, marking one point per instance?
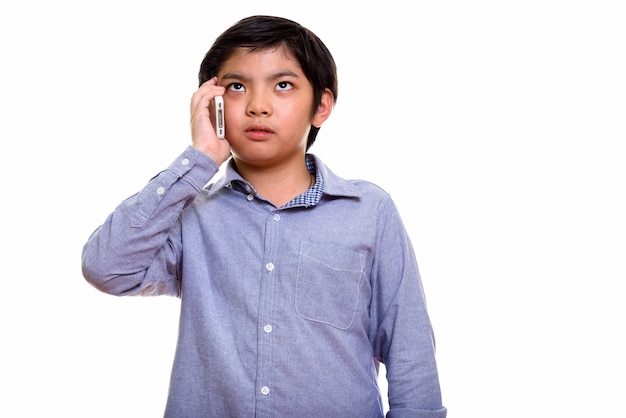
(294, 283)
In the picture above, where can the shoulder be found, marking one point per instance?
(336, 185)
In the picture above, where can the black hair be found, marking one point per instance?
(259, 32)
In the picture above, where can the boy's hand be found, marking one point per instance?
(203, 136)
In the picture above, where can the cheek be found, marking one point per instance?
(232, 112)
(296, 112)
(229, 120)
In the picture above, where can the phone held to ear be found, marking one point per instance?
(219, 116)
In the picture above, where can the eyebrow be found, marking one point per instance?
(278, 74)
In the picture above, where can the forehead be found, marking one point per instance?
(253, 60)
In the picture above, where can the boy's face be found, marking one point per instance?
(267, 106)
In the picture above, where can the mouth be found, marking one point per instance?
(259, 128)
(258, 132)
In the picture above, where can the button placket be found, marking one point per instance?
(267, 328)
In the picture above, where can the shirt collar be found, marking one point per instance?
(327, 182)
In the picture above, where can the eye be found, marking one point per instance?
(236, 87)
(284, 85)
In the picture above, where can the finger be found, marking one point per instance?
(208, 88)
(202, 103)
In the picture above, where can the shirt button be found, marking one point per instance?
(250, 197)
(185, 161)
(160, 190)
(269, 266)
(276, 218)
(267, 329)
(265, 390)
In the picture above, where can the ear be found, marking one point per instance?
(324, 109)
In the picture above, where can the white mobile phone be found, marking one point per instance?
(219, 116)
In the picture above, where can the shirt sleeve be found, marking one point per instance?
(404, 339)
(136, 250)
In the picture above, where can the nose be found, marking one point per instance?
(258, 104)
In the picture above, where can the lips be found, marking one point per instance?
(258, 132)
(259, 128)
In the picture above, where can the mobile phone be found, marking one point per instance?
(219, 116)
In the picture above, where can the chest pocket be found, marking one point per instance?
(328, 283)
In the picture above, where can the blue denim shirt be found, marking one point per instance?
(285, 312)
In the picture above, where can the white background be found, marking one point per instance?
(498, 127)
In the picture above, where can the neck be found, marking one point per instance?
(279, 185)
